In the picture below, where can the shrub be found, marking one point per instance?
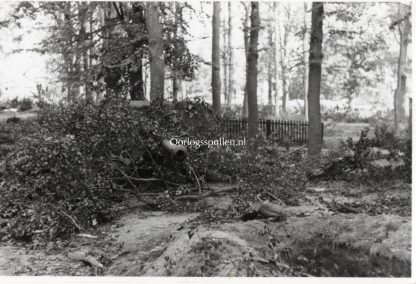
(51, 190)
(25, 104)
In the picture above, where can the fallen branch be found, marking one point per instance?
(87, 236)
(85, 258)
(291, 152)
(212, 192)
(275, 198)
(126, 176)
(72, 220)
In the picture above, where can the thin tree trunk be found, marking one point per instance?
(82, 19)
(225, 61)
(136, 71)
(176, 80)
(252, 71)
(283, 56)
(156, 56)
(270, 66)
(314, 86)
(230, 59)
(246, 30)
(399, 94)
(305, 59)
(276, 59)
(216, 78)
(176, 87)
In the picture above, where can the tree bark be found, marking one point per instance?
(246, 31)
(400, 92)
(176, 78)
(252, 71)
(225, 60)
(156, 55)
(305, 60)
(314, 85)
(136, 70)
(283, 56)
(82, 19)
(276, 59)
(230, 59)
(216, 78)
(270, 66)
(112, 74)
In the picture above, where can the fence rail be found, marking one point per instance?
(293, 131)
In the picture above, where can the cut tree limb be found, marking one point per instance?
(82, 256)
(291, 152)
(212, 192)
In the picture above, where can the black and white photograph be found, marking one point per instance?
(206, 139)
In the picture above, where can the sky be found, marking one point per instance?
(20, 72)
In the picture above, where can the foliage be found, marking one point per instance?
(384, 138)
(50, 190)
(25, 104)
(67, 177)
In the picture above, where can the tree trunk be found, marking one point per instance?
(82, 19)
(305, 60)
(252, 71)
(176, 87)
(112, 74)
(136, 70)
(230, 59)
(246, 30)
(270, 66)
(225, 61)
(314, 85)
(156, 56)
(176, 78)
(283, 56)
(399, 94)
(136, 81)
(216, 78)
(276, 59)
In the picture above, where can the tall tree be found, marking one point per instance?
(246, 32)
(216, 78)
(270, 64)
(404, 28)
(156, 55)
(230, 59)
(83, 37)
(136, 35)
(305, 58)
(314, 84)
(253, 115)
(276, 59)
(225, 62)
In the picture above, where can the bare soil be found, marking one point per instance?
(334, 232)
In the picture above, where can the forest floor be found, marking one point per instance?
(338, 229)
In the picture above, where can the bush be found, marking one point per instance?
(51, 190)
(25, 104)
(68, 177)
(384, 138)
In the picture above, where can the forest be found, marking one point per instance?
(235, 139)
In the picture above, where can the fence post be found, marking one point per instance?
(268, 128)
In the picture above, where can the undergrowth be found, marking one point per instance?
(68, 176)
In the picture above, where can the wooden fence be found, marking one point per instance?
(293, 131)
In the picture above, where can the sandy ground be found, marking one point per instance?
(314, 240)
